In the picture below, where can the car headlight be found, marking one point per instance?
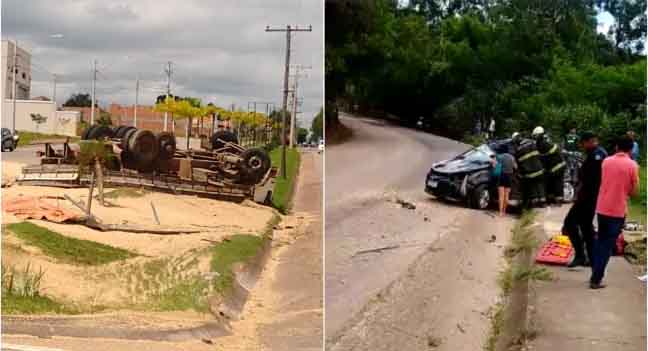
(16, 137)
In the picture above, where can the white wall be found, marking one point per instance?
(58, 122)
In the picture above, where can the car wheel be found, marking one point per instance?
(480, 197)
(569, 193)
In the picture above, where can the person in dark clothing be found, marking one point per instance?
(554, 165)
(578, 223)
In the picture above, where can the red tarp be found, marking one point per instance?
(37, 208)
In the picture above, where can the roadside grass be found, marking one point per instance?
(65, 249)
(523, 243)
(238, 248)
(21, 293)
(28, 137)
(125, 192)
(637, 208)
(283, 190)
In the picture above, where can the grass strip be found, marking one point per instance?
(28, 137)
(238, 248)
(283, 189)
(66, 249)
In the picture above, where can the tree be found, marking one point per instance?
(317, 126)
(302, 134)
(78, 100)
(105, 118)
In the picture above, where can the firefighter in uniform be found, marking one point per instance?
(530, 170)
(578, 222)
(554, 165)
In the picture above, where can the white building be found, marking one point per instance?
(31, 115)
(23, 71)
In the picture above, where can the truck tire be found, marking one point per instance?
(480, 197)
(223, 135)
(99, 132)
(254, 165)
(121, 131)
(166, 144)
(127, 134)
(143, 145)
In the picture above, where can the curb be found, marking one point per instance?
(515, 309)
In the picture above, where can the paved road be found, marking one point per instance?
(23, 154)
(380, 300)
(299, 272)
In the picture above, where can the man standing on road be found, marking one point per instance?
(619, 181)
(578, 222)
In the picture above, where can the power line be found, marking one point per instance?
(289, 30)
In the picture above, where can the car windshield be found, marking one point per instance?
(5, 131)
(479, 154)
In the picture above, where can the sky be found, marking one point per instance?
(219, 50)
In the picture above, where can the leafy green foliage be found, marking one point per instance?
(317, 126)
(283, 189)
(460, 63)
(67, 249)
(237, 248)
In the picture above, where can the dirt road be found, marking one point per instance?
(436, 286)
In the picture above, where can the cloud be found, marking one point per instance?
(219, 49)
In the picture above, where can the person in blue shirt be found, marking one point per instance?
(635, 146)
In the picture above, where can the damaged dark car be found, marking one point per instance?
(467, 177)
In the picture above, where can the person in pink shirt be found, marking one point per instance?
(619, 181)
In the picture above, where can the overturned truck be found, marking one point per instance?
(143, 158)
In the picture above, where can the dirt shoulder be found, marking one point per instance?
(569, 315)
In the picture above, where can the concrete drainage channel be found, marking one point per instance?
(224, 308)
(512, 319)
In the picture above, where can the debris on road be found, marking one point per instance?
(376, 250)
(406, 204)
(492, 239)
(37, 208)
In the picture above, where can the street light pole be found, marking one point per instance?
(13, 94)
(94, 80)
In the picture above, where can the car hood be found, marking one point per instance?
(458, 166)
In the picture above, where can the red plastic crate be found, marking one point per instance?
(554, 253)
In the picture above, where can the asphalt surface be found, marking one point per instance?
(299, 273)
(379, 300)
(22, 154)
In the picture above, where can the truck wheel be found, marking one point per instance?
(254, 165)
(223, 135)
(166, 144)
(121, 131)
(480, 197)
(99, 132)
(84, 135)
(144, 147)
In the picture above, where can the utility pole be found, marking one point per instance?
(15, 68)
(288, 31)
(293, 120)
(136, 101)
(94, 83)
(168, 72)
(54, 90)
